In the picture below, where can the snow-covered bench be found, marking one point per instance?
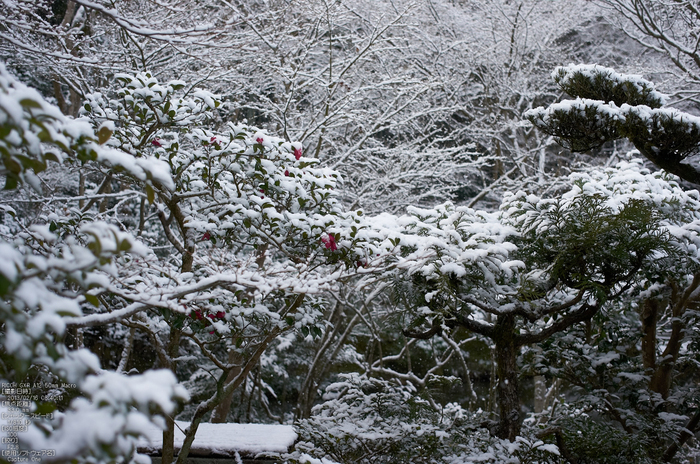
(247, 443)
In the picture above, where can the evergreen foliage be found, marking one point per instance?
(610, 106)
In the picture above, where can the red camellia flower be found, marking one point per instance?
(329, 242)
(206, 236)
(297, 153)
(156, 143)
(220, 315)
(259, 140)
(286, 173)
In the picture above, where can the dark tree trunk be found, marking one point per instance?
(220, 413)
(649, 317)
(168, 450)
(507, 371)
(663, 375)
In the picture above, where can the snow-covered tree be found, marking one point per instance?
(365, 420)
(47, 278)
(250, 231)
(611, 106)
(539, 266)
(667, 29)
(410, 102)
(69, 48)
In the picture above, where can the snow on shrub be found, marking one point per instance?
(45, 279)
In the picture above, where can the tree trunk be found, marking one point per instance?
(218, 416)
(507, 386)
(169, 432)
(323, 361)
(649, 317)
(686, 434)
(173, 348)
(663, 375)
(228, 387)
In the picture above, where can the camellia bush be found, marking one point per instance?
(245, 233)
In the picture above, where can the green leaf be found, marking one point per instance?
(150, 194)
(179, 321)
(29, 103)
(103, 134)
(5, 284)
(125, 245)
(44, 408)
(11, 181)
(92, 299)
(12, 165)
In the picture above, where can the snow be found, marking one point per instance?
(306, 459)
(670, 417)
(226, 439)
(605, 359)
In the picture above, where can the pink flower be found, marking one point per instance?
(329, 242)
(212, 331)
(297, 153)
(206, 236)
(212, 140)
(259, 140)
(156, 143)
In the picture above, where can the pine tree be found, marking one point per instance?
(611, 106)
